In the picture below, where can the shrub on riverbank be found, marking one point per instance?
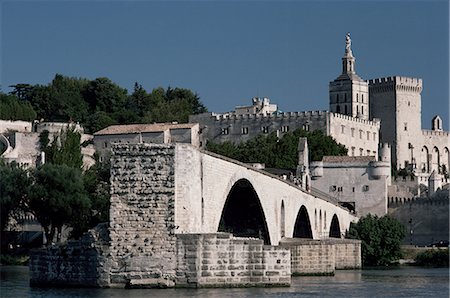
(380, 239)
(433, 258)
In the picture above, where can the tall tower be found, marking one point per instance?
(397, 102)
(349, 94)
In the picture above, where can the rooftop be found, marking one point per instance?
(137, 128)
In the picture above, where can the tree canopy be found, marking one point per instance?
(279, 153)
(57, 197)
(12, 108)
(13, 191)
(380, 239)
(98, 103)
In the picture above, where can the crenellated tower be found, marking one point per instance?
(397, 102)
(349, 94)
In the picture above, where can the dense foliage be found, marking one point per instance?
(58, 193)
(98, 103)
(279, 153)
(57, 197)
(380, 239)
(433, 258)
(13, 191)
(64, 148)
(11, 108)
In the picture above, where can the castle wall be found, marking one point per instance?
(428, 219)
(240, 128)
(354, 182)
(19, 126)
(360, 137)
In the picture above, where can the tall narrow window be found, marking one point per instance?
(362, 110)
(357, 97)
(244, 130)
(345, 109)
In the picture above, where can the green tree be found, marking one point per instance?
(97, 185)
(103, 95)
(12, 108)
(380, 239)
(57, 197)
(14, 182)
(64, 149)
(279, 153)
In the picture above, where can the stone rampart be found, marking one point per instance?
(220, 260)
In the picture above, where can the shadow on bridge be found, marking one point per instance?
(242, 214)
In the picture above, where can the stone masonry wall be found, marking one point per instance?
(143, 242)
(76, 263)
(347, 253)
(310, 257)
(322, 257)
(219, 260)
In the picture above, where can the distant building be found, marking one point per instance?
(19, 141)
(145, 133)
(363, 114)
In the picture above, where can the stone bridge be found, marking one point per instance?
(174, 211)
(215, 194)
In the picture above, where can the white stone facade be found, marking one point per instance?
(20, 140)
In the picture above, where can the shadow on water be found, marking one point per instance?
(404, 281)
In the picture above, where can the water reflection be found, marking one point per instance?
(400, 282)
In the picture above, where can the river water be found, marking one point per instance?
(404, 281)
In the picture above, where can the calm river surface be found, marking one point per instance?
(399, 282)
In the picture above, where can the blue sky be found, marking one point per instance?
(230, 51)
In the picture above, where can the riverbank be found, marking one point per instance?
(425, 256)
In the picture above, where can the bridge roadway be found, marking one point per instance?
(214, 193)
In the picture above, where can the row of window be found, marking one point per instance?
(361, 133)
(264, 129)
(361, 152)
(345, 97)
(345, 112)
(334, 188)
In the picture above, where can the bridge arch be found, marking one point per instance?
(283, 221)
(302, 227)
(335, 229)
(242, 214)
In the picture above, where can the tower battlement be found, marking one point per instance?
(316, 114)
(375, 121)
(400, 83)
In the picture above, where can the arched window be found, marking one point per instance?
(282, 224)
(338, 109)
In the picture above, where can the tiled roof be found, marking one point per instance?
(347, 159)
(136, 128)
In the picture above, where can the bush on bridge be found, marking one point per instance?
(380, 239)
